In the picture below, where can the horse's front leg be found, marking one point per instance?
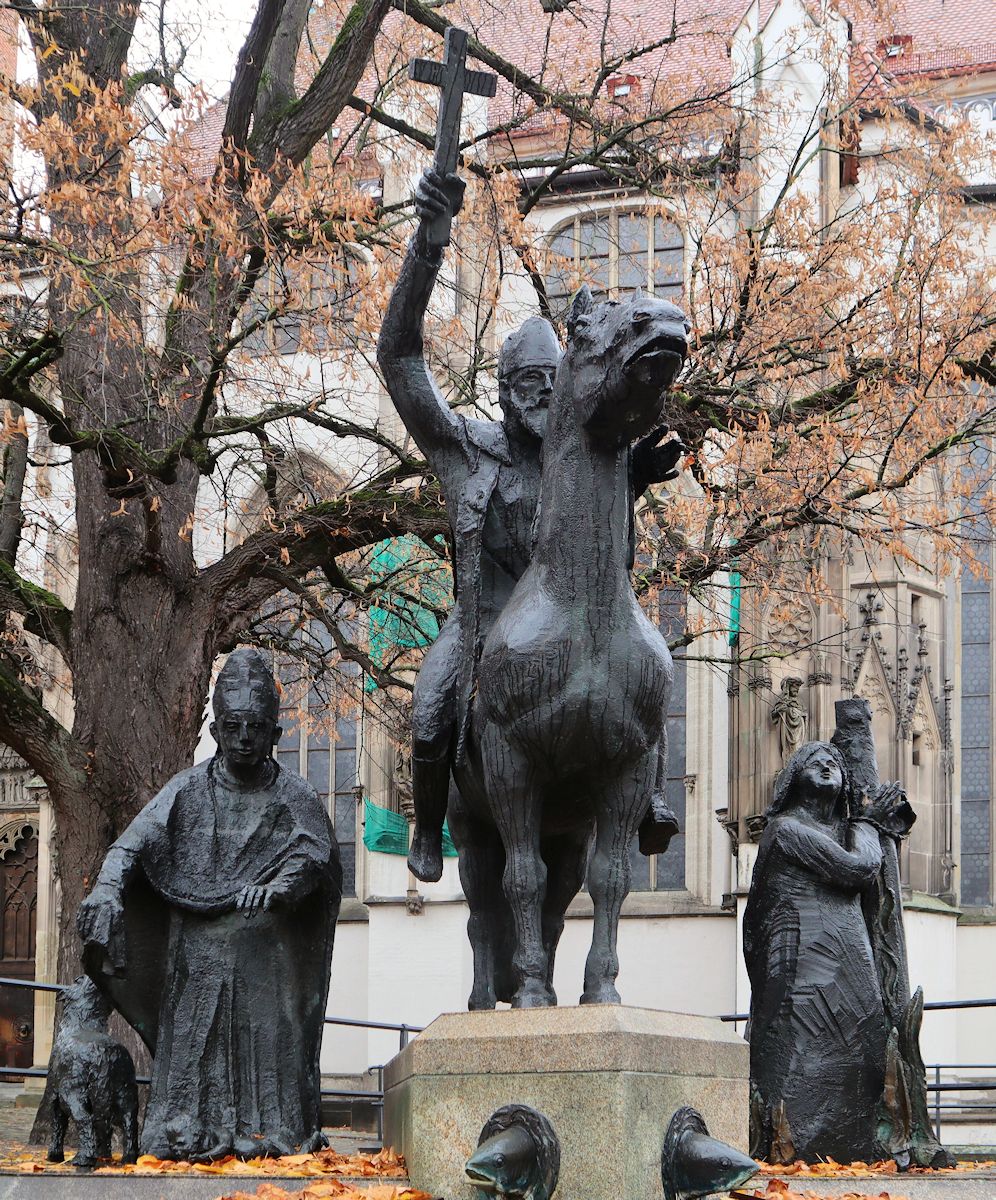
(516, 804)
(481, 864)
(619, 808)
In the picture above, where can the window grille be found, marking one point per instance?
(615, 253)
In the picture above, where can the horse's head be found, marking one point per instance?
(622, 357)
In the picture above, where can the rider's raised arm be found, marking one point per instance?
(400, 351)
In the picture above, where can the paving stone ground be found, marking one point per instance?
(131, 1187)
(12, 1187)
(15, 1127)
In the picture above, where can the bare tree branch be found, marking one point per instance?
(276, 87)
(34, 733)
(15, 464)
(234, 587)
(42, 611)
(248, 71)
(288, 137)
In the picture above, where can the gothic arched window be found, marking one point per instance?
(616, 253)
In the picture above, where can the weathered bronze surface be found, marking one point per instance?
(835, 1062)
(91, 1080)
(604, 396)
(517, 1155)
(524, 813)
(210, 927)
(694, 1164)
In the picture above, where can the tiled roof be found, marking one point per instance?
(689, 48)
(937, 36)
(958, 61)
(204, 138)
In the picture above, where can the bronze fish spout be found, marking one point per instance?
(695, 1164)
(517, 1155)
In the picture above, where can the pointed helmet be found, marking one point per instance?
(533, 344)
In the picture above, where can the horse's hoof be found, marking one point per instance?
(56, 1156)
(658, 827)
(604, 994)
(425, 859)
(476, 1003)
(534, 995)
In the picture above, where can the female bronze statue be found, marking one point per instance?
(818, 1029)
(834, 1033)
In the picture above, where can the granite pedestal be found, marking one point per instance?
(608, 1078)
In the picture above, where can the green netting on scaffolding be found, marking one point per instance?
(387, 832)
(412, 584)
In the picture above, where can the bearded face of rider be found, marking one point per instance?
(527, 365)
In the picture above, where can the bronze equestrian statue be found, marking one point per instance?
(574, 680)
(489, 472)
(490, 475)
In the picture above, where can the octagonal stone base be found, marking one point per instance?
(608, 1077)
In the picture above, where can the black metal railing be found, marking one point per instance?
(375, 1099)
(965, 1108)
(935, 1085)
(931, 1006)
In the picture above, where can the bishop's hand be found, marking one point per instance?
(100, 922)
(254, 899)
(438, 196)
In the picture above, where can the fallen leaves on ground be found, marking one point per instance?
(384, 1165)
(835, 1170)
(778, 1189)
(329, 1189)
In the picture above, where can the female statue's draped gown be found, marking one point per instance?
(818, 1029)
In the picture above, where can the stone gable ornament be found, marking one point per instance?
(210, 927)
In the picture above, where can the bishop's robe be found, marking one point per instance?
(232, 1007)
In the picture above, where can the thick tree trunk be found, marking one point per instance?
(142, 651)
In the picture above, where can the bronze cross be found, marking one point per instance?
(455, 81)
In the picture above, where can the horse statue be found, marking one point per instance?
(574, 681)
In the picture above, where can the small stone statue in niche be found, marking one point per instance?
(790, 717)
(835, 1068)
(210, 927)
